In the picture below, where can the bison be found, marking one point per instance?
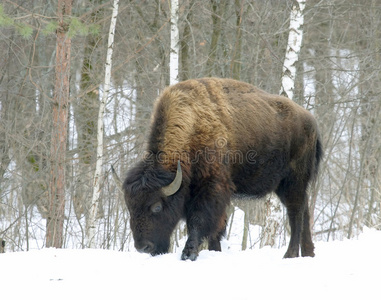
(213, 137)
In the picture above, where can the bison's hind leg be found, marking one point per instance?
(293, 194)
(307, 246)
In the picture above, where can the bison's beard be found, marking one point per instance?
(161, 247)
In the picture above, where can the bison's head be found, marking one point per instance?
(153, 199)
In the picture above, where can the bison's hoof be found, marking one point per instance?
(308, 250)
(291, 254)
(190, 250)
(192, 256)
(189, 253)
(308, 254)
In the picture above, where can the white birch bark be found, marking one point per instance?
(274, 216)
(98, 169)
(274, 210)
(294, 45)
(175, 39)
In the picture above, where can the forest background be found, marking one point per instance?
(338, 80)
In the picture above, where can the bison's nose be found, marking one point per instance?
(144, 247)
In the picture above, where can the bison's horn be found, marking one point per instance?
(174, 186)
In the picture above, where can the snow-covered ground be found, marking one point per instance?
(341, 270)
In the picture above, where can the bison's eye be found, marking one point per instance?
(157, 207)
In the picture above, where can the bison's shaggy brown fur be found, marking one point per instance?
(230, 137)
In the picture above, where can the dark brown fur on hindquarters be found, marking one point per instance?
(229, 137)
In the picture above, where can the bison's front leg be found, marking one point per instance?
(206, 219)
(191, 247)
(195, 239)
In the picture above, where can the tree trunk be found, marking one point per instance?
(294, 45)
(184, 49)
(86, 110)
(98, 169)
(218, 10)
(272, 223)
(246, 225)
(235, 66)
(55, 221)
(174, 52)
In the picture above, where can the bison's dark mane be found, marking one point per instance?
(146, 176)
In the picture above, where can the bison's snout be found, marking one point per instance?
(144, 247)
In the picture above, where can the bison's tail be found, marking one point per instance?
(318, 156)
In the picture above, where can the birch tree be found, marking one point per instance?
(91, 224)
(174, 52)
(274, 210)
(294, 45)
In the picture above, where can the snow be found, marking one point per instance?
(345, 269)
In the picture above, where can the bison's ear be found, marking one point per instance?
(174, 186)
